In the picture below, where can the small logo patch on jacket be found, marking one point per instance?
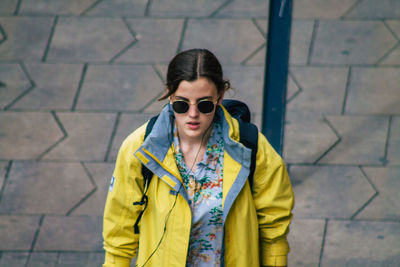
(112, 183)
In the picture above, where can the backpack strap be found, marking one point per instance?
(249, 138)
(147, 174)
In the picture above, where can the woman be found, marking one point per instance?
(201, 210)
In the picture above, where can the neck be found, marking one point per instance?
(190, 143)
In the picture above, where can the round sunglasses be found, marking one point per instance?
(204, 106)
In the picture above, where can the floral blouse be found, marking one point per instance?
(204, 188)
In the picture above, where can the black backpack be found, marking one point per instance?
(248, 137)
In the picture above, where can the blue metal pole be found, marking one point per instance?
(276, 71)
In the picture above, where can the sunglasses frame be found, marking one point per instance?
(189, 103)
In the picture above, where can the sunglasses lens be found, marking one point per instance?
(180, 106)
(205, 106)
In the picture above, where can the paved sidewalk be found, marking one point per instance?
(78, 76)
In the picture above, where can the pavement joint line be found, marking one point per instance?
(346, 90)
(89, 174)
(252, 54)
(182, 35)
(4, 35)
(35, 237)
(259, 28)
(338, 136)
(148, 7)
(17, 7)
(371, 183)
(91, 7)
(296, 82)
(120, 53)
(8, 170)
(364, 205)
(158, 72)
(387, 54)
(53, 28)
(385, 154)
(391, 30)
(323, 242)
(221, 7)
(88, 195)
(346, 13)
(125, 21)
(65, 135)
(112, 137)
(25, 92)
(312, 42)
(78, 90)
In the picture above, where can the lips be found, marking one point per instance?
(193, 125)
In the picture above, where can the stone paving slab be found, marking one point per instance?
(184, 8)
(14, 259)
(301, 33)
(82, 232)
(231, 40)
(27, 135)
(20, 31)
(119, 88)
(351, 42)
(85, 39)
(55, 87)
(119, 8)
(322, 89)
(300, 41)
(374, 91)
(245, 9)
(15, 83)
(394, 143)
(7, 7)
(44, 188)
(247, 83)
(329, 191)
(42, 259)
(157, 40)
(357, 243)
(374, 9)
(80, 259)
(307, 137)
(305, 240)
(54, 7)
(17, 232)
(101, 174)
(156, 106)
(363, 140)
(55, 259)
(127, 124)
(386, 205)
(327, 9)
(88, 135)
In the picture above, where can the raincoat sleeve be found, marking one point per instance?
(126, 187)
(274, 200)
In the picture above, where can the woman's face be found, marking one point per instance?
(193, 124)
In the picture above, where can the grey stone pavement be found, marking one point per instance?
(78, 76)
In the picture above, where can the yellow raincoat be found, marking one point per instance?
(256, 221)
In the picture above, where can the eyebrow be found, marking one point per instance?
(186, 99)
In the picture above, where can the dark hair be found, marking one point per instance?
(192, 64)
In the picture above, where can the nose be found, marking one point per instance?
(193, 111)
